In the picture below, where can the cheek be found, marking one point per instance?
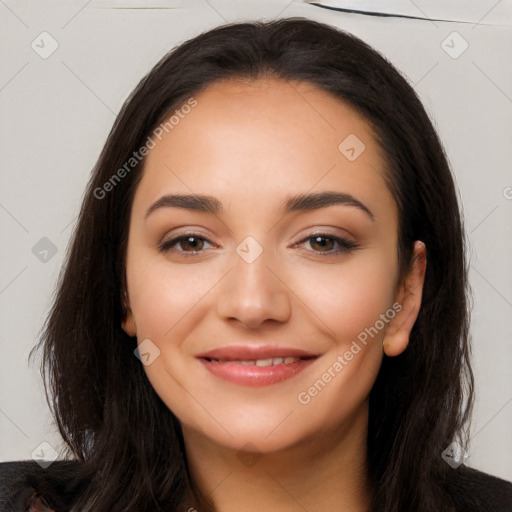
(163, 296)
(349, 297)
(168, 302)
(353, 302)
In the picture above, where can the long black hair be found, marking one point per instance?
(110, 417)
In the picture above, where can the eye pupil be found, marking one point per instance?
(324, 244)
(190, 239)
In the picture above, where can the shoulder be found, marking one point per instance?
(21, 480)
(475, 491)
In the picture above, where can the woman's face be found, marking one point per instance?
(266, 322)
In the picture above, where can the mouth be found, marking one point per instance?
(256, 366)
(262, 363)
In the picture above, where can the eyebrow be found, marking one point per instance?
(300, 202)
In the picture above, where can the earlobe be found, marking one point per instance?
(398, 332)
(129, 326)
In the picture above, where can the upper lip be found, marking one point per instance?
(252, 353)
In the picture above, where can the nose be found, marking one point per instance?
(254, 293)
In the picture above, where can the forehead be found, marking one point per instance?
(265, 139)
(298, 117)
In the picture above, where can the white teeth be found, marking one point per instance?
(264, 362)
(271, 361)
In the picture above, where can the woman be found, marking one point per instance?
(264, 304)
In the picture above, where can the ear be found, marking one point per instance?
(128, 324)
(408, 296)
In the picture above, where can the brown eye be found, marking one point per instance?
(191, 243)
(321, 243)
(188, 244)
(325, 244)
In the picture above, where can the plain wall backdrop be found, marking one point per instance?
(68, 66)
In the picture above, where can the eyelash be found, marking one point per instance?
(345, 244)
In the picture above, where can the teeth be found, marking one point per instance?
(271, 361)
(264, 362)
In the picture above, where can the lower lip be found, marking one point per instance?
(255, 375)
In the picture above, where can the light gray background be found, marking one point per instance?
(56, 114)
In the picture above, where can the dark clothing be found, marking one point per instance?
(471, 490)
(20, 481)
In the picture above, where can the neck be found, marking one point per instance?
(325, 472)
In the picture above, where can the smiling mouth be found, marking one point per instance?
(262, 363)
(257, 372)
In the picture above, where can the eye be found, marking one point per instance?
(190, 243)
(325, 242)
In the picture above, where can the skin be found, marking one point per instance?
(252, 144)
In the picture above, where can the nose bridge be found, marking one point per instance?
(251, 292)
